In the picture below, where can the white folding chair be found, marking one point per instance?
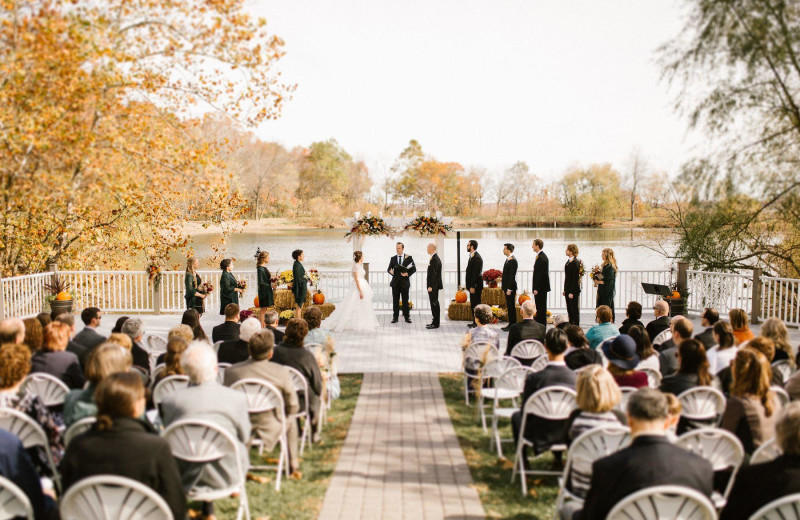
(783, 508)
(782, 395)
(13, 501)
(488, 389)
(768, 451)
(554, 403)
(702, 403)
(50, 389)
(301, 385)
(719, 447)
(111, 497)
(31, 434)
(221, 368)
(167, 386)
(216, 345)
(263, 397)
(653, 377)
(784, 368)
(203, 442)
(588, 447)
(475, 357)
(527, 350)
(511, 382)
(664, 502)
(155, 373)
(156, 345)
(627, 392)
(661, 337)
(77, 428)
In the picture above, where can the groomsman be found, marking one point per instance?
(434, 285)
(510, 283)
(541, 281)
(474, 278)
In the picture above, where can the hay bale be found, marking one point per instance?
(459, 312)
(284, 299)
(326, 308)
(493, 297)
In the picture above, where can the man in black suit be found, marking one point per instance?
(271, 319)
(510, 284)
(708, 319)
(229, 329)
(650, 460)
(79, 350)
(668, 358)
(541, 281)
(88, 338)
(235, 350)
(474, 277)
(434, 276)
(401, 267)
(760, 484)
(528, 328)
(661, 323)
(572, 285)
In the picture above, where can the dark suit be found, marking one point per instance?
(277, 333)
(661, 347)
(80, 351)
(679, 383)
(233, 351)
(572, 285)
(706, 338)
(400, 284)
(510, 284)
(474, 279)
(526, 329)
(627, 323)
(140, 357)
(760, 484)
(541, 286)
(650, 460)
(668, 361)
(16, 466)
(61, 364)
(88, 338)
(434, 275)
(226, 331)
(658, 325)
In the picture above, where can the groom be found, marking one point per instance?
(401, 267)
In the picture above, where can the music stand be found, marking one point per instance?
(657, 290)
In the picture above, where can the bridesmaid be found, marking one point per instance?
(605, 287)
(299, 285)
(572, 285)
(191, 280)
(266, 297)
(228, 290)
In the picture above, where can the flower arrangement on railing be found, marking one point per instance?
(597, 273)
(286, 277)
(154, 274)
(207, 287)
(491, 276)
(426, 225)
(312, 275)
(241, 284)
(369, 226)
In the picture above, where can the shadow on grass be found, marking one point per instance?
(492, 476)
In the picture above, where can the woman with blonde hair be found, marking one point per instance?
(606, 288)
(176, 346)
(266, 298)
(53, 359)
(191, 280)
(123, 340)
(108, 358)
(775, 329)
(741, 329)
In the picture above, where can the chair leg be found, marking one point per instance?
(497, 440)
(466, 389)
(483, 413)
(280, 468)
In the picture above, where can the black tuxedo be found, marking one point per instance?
(510, 284)
(474, 279)
(400, 284)
(572, 285)
(526, 329)
(434, 282)
(541, 284)
(655, 327)
(650, 460)
(760, 484)
(225, 331)
(706, 338)
(88, 338)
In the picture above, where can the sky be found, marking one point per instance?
(484, 83)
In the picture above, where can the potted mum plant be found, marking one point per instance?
(61, 298)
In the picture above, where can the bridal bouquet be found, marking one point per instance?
(597, 273)
(206, 287)
(425, 225)
(242, 284)
(369, 226)
(312, 275)
(581, 268)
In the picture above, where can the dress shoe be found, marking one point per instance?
(408, 320)
(471, 326)
(432, 326)
(505, 328)
(394, 320)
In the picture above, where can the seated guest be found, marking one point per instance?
(604, 329)
(648, 357)
(207, 400)
(107, 359)
(192, 318)
(560, 321)
(751, 410)
(760, 484)
(724, 349)
(741, 328)
(708, 319)
(775, 329)
(543, 433)
(290, 352)
(578, 353)
(661, 323)
(668, 358)
(56, 361)
(650, 460)
(767, 348)
(634, 314)
(88, 338)
(271, 319)
(670, 341)
(183, 332)
(793, 386)
(15, 363)
(119, 323)
(176, 346)
(316, 334)
(528, 328)
(229, 329)
(266, 426)
(16, 466)
(44, 318)
(134, 328)
(482, 333)
(235, 351)
(79, 350)
(12, 330)
(122, 444)
(692, 369)
(34, 334)
(622, 361)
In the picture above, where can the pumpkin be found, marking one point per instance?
(255, 302)
(676, 294)
(63, 295)
(318, 298)
(461, 297)
(523, 298)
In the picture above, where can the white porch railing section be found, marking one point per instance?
(781, 298)
(722, 291)
(24, 296)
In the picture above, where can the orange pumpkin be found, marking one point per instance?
(523, 298)
(318, 298)
(255, 302)
(676, 294)
(63, 295)
(461, 297)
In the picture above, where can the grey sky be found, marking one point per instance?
(553, 83)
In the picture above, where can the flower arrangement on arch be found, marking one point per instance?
(426, 226)
(154, 274)
(491, 276)
(369, 226)
(286, 277)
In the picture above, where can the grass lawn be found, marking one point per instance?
(491, 476)
(302, 499)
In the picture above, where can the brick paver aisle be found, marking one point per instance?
(401, 458)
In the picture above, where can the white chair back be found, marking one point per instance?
(167, 386)
(553, 402)
(50, 389)
(590, 446)
(627, 392)
(221, 368)
(664, 502)
(780, 509)
(514, 378)
(481, 352)
(13, 501)
(156, 344)
(216, 345)
(261, 396)
(300, 384)
(528, 349)
(653, 377)
(155, 373)
(539, 364)
(782, 395)
(784, 368)
(111, 497)
(77, 428)
(702, 403)
(768, 451)
(30, 434)
(661, 337)
(719, 447)
(498, 367)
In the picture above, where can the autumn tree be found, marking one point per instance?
(329, 173)
(592, 192)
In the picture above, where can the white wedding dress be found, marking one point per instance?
(354, 313)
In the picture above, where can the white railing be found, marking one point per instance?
(722, 291)
(112, 291)
(780, 298)
(24, 296)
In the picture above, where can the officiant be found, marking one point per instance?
(401, 267)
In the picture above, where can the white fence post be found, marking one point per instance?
(2, 300)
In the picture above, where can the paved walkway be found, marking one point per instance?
(401, 458)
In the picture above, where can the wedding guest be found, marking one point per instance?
(528, 328)
(606, 287)
(622, 361)
(572, 285)
(123, 340)
(648, 357)
(692, 369)
(119, 323)
(669, 342)
(104, 360)
(741, 329)
(708, 319)
(661, 323)
(122, 444)
(12, 330)
(316, 334)
(228, 330)
(229, 290)
(482, 333)
(79, 350)
(300, 285)
(721, 355)
(597, 399)
(44, 318)
(792, 387)
(579, 354)
(774, 329)
(266, 297)
(194, 295)
(767, 348)
(668, 359)
(54, 360)
(604, 329)
(34, 334)
(89, 338)
(560, 321)
(434, 285)
(192, 318)
(176, 346)
(509, 283)
(134, 328)
(235, 351)
(633, 314)
(271, 319)
(290, 352)
(16, 466)
(474, 277)
(178, 331)
(541, 282)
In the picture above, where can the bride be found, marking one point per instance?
(355, 312)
